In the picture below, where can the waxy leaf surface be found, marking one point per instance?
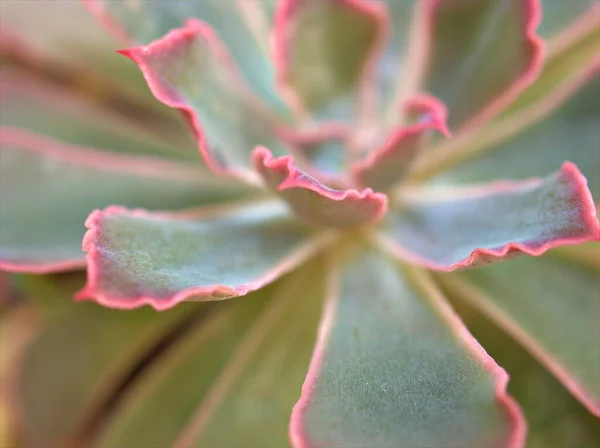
(136, 258)
(243, 26)
(243, 369)
(559, 15)
(394, 366)
(48, 188)
(567, 129)
(190, 70)
(313, 202)
(460, 71)
(322, 50)
(550, 305)
(448, 229)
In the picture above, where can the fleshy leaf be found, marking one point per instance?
(76, 360)
(48, 188)
(243, 369)
(460, 71)
(138, 258)
(190, 70)
(385, 166)
(558, 15)
(554, 417)
(66, 115)
(243, 26)
(450, 229)
(394, 366)
(324, 50)
(537, 140)
(313, 202)
(515, 295)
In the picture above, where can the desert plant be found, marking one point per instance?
(363, 162)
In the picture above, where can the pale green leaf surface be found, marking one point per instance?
(483, 224)
(146, 21)
(322, 48)
(479, 49)
(233, 382)
(555, 304)
(136, 258)
(559, 14)
(393, 368)
(188, 70)
(48, 189)
(569, 133)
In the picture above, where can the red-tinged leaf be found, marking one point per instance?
(558, 16)
(138, 258)
(481, 225)
(47, 189)
(482, 54)
(63, 113)
(395, 367)
(385, 166)
(233, 381)
(190, 70)
(532, 141)
(314, 203)
(515, 294)
(243, 26)
(324, 53)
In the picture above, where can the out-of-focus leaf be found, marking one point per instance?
(554, 418)
(558, 15)
(68, 116)
(448, 229)
(232, 382)
(564, 127)
(551, 306)
(76, 361)
(243, 26)
(323, 49)
(48, 188)
(395, 367)
(313, 202)
(136, 258)
(460, 71)
(188, 69)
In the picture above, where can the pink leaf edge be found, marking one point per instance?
(93, 291)
(481, 256)
(106, 20)
(424, 104)
(284, 15)
(537, 49)
(193, 29)
(297, 434)
(297, 179)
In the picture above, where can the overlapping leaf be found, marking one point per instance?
(395, 367)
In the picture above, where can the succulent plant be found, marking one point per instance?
(384, 190)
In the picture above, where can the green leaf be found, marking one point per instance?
(554, 417)
(244, 28)
(313, 202)
(322, 50)
(517, 294)
(564, 127)
(447, 229)
(66, 115)
(188, 69)
(137, 258)
(482, 54)
(558, 15)
(47, 189)
(232, 382)
(76, 361)
(395, 367)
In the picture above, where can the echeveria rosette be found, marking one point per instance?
(367, 177)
